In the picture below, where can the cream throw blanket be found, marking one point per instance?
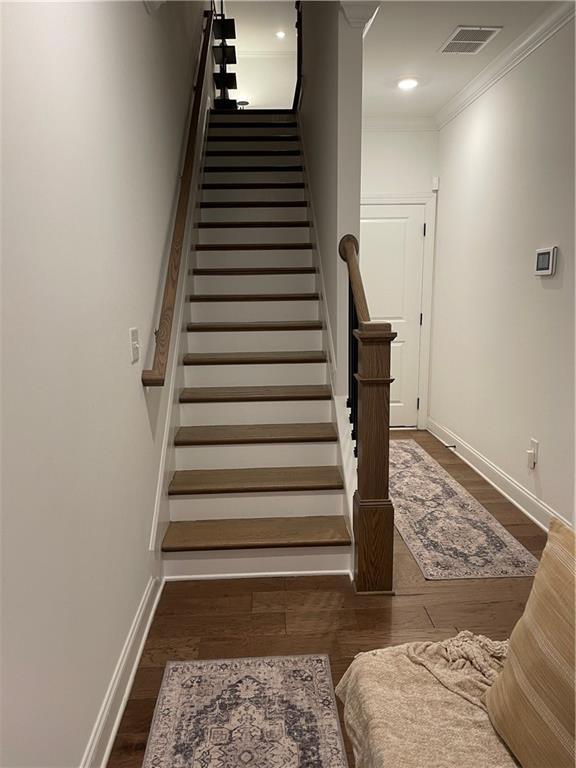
(421, 705)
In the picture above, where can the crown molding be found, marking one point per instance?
(537, 34)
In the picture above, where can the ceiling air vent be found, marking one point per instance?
(469, 40)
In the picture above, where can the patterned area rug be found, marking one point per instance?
(450, 534)
(276, 712)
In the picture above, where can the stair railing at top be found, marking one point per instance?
(156, 376)
(369, 402)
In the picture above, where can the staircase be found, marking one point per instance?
(257, 487)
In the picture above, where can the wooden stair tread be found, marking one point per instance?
(253, 297)
(253, 434)
(294, 392)
(254, 204)
(252, 124)
(254, 185)
(256, 533)
(303, 224)
(254, 358)
(253, 153)
(253, 168)
(218, 271)
(262, 325)
(255, 480)
(240, 137)
(253, 246)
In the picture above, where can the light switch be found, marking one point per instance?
(134, 345)
(532, 454)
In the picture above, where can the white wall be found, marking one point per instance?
(95, 97)
(319, 125)
(330, 118)
(398, 162)
(502, 367)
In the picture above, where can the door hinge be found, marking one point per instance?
(418, 404)
(424, 229)
(420, 318)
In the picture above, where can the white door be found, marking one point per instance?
(391, 262)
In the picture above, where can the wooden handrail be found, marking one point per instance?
(369, 402)
(156, 376)
(348, 250)
(299, 49)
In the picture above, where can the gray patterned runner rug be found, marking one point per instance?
(450, 534)
(275, 712)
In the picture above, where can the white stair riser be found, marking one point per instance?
(240, 505)
(255, 235)
(247, 311)
(279, 412)
(253, 341)
(290, 213)
(257, 562)
(290, 258)
(235, 177)
(236, 195)
(265, 455)
(254, 375)
(243, 145)
(225, 160)
(211, 284)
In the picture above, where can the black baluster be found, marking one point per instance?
(352, 401)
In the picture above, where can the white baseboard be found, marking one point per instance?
(527, 502)
(104, 732)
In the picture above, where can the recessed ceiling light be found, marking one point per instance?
(281, 35)
(407, 84)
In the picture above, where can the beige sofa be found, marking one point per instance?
(470, 702)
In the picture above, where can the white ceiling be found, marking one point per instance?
(266, 69)
(404, 39)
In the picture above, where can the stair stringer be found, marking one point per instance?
(341, 413)
(175, 373)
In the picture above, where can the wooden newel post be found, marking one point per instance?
(373, 510)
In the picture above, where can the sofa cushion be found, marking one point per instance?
(531, 703)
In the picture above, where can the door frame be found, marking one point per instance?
(429, 202)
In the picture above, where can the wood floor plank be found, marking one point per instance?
(258, 533)
(253, 434)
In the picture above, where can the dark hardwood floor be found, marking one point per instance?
(259, 617)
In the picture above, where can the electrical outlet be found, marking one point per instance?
(532, 453)
(134, 344)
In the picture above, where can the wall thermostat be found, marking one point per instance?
(545, 261)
